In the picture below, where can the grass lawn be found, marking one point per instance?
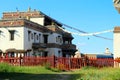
(90, 73)
(8, 72)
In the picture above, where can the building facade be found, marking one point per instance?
(116, 33)
(32, 33)
(106, 54)
(116, 42)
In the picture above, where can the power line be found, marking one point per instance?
(77, 29)
(85, 32)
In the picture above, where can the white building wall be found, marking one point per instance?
(53, 38)
(21, 41)
(116, 45)
(54, 51)
(38, 20)
(32, 39)
(6, 43)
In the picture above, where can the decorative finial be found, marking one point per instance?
(107, 51)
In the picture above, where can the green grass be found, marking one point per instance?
(4, 67)
(8, 72)
(90, 73)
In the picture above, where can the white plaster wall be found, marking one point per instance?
(116, 45)
(52, 38)
(54, 51)
(21, 40)
(38, 20)
(5, 42)
(28, 43)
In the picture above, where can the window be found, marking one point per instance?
(12, 54)
(29, 32)
(56, 39)
(34, 37)
(11, 34)
(45, 38)
(45, 54)
(0, 32)
(31, 35)
(39, 37)
(59, 53)
(61, 40)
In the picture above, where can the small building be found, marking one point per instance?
(77, 54)
(106, 54)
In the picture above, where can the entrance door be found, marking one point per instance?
(45, 54)
(12, 54)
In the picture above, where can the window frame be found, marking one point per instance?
(12, 35)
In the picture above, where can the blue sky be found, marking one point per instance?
(86, 15)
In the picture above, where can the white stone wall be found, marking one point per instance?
(54, 51)
(6, 43)
(21, 41)
(53, 38)
(28, 43)
(116, 45)
(38, 20)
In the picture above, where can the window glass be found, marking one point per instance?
(11, 34)
(29, 32)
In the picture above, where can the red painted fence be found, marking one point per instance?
(61, 62)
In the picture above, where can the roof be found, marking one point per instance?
(24, 23)
(15, 50)
(67, 35)
(100, 55)
(31, 14)
(104, 56)
(117, 29)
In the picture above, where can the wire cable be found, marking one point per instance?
(77, 29)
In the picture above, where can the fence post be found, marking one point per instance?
(53, 63)
(20, 60)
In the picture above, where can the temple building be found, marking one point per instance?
(33, 33)
(103, 55)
